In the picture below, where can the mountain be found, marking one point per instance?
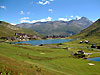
(92, 30)
(7, 29)
(65, 28)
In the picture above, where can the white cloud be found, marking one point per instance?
(62, 19)
(40, 2)
(51, 0)
(44, 3)
(21, 12)
(78, 17)
(47, 2)
(49, 18)
(50, 10)
(24, 20)
(69, 19)
(93, 21)
(3, 7)
(12, 23)
(71, 16)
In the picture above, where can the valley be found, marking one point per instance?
(52, 59)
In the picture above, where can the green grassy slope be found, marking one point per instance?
(52, 61)
(7, 29)
(93, 30)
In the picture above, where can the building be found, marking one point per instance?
(80, 52)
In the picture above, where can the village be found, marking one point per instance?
(27, 37)
(21, 37)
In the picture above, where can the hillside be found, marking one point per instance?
(7, 29)
(65, 28)
(93, 30)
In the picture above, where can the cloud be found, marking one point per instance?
(78, 17)
(69, 19)
(49, 18)
(24, 20)
(51, 0)
(71, 16)
(3, 7)
(62, 19)
(50, 10)
(12, 23)
(27, 13)
(93, 21)
(21, 12)
(44, 3)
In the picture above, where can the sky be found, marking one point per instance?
(31, 11)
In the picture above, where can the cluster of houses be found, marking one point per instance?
(95, 46)
(84, 42)
(92, 46)
(79, 54)
(53, 36)
(26, 37)
(21, 37)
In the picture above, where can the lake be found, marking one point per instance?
(38, 42)
(94, 59)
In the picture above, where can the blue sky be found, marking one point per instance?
(31, 11)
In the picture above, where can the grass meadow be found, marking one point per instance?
(47, 60)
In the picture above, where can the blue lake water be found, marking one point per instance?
(94, 59)
(38, 42)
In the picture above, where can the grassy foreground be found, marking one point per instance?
(47, 59)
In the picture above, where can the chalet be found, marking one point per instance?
(86, 41)
(98, 47)
(13, 38)
(32, 36)
(59, 43)
(80, 52)
(41, 45)
(8, 38)
(54, 36)
(21, 34)
(93, 46)
(81, 42)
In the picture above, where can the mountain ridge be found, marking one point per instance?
(58, 27)
(92, 30)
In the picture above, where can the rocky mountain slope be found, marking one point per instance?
(92, 30)
(7, 29)
(65, 28)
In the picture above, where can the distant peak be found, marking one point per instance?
(83, 18)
